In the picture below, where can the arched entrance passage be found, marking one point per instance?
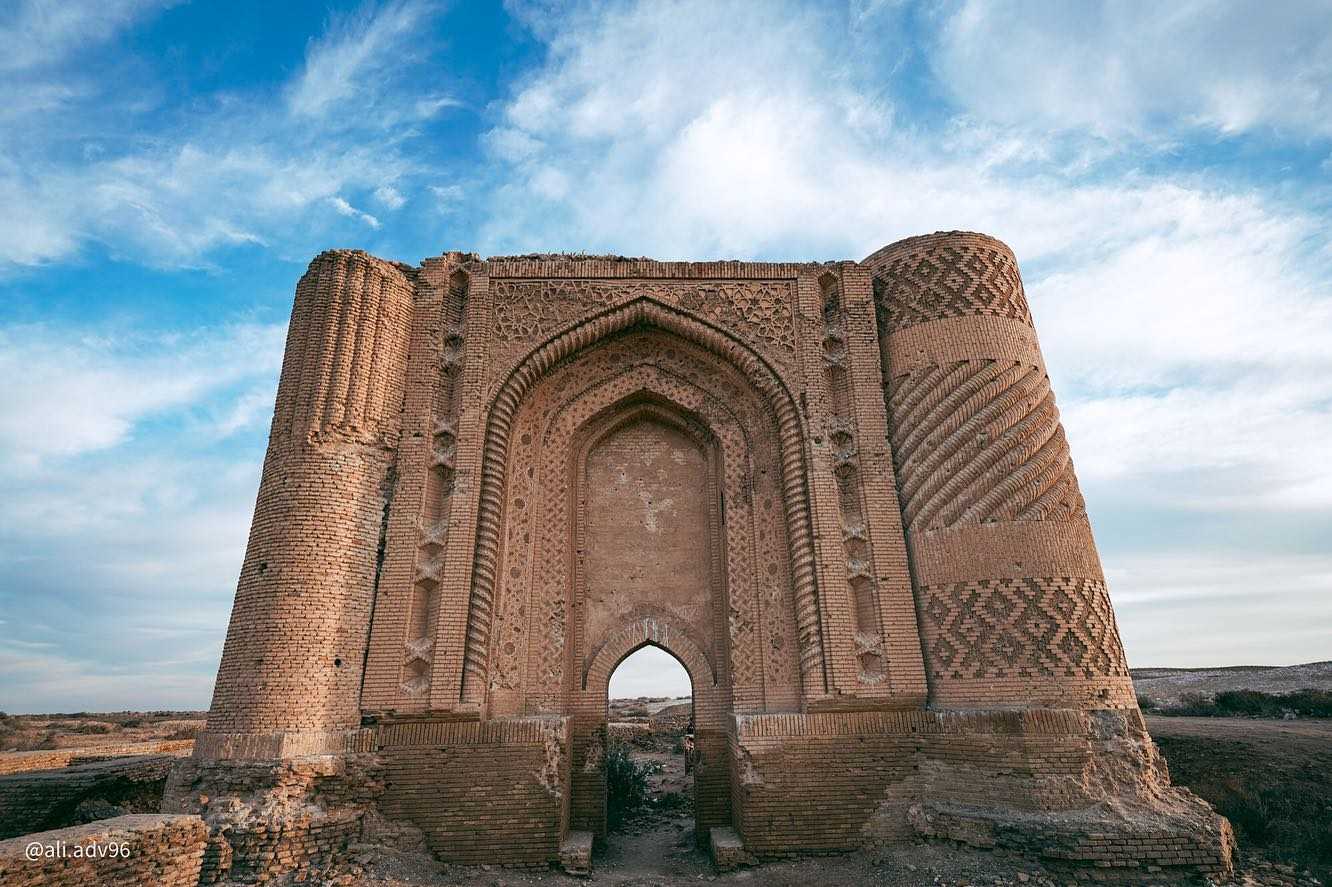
(711, 775)
(755, 380)
(643, 482)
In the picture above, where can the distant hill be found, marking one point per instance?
(1167, 685)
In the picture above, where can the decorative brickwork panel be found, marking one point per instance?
(1021, 628)
(843, 434)
(531, 310)
(501, 444)
(923, 279)
(980, 441)
(547, 467)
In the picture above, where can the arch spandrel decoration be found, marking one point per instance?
(647, 314)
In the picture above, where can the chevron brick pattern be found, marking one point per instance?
(980, 441)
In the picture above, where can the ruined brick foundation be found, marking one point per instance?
(838, 493)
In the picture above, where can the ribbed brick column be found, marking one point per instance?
(1011, 599)
(296, 643)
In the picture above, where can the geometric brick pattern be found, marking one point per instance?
(979, 441)
(948, 277)
(842, 434)
(1003, 628)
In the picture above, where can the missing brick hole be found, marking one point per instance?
(337, 663)
(263, 566)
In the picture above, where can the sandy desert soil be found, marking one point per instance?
(89, 730)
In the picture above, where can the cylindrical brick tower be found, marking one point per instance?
(1011, 600)
(294, 651)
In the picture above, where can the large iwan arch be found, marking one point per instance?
(839, 493)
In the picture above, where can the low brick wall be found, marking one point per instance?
(45, 799)
(1077, 787)
(55, 758)
(127, 851)
(270, 819)
(494, 792)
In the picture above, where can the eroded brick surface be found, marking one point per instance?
(126, 851)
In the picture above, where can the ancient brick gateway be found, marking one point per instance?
(838, 493)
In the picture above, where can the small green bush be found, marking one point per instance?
(626, 783)
(1248, 704)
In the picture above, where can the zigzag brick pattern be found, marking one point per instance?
(1021, 628)
(963, 277)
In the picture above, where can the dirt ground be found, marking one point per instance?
(1271, 779)
(85, 730)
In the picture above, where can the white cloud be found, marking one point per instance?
(238, 170)
(1146, 69)
(130, 463)
(343, 208)
(38, 33)
(1200, 609)
(390, 197)
(74, 392)
(349, 64)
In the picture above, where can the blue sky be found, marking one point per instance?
(168, 169)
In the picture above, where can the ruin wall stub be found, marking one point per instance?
(838, 493)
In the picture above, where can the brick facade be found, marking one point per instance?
(838, 493)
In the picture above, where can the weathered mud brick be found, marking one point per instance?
(839, 493)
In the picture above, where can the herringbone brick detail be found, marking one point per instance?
(979, 441)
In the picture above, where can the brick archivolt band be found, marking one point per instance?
(657, 631)
(582, 336)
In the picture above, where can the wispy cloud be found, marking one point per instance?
(351, 66)
(243, 170)
(1148, 70)
(127, 504)
(75, 392)
(35, 33)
